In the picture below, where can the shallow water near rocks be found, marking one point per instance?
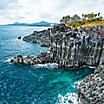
(24, 84)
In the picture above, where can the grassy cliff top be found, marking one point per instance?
(76, 21)
(88, 23)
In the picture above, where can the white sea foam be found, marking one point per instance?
(92, 67)
(49, 65)
(8, 60)
(69, 98)
(78, 82)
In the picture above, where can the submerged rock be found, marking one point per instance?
(19, 37)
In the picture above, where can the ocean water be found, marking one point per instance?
(24, 84)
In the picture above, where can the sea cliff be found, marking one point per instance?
(92, 87)
(73, 49)
(69, 48)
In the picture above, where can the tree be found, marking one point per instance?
(76, 17)
(89, 16)
(98, 14)
(84, 16)
(65, 19)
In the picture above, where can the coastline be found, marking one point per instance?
(68, 48)
(86, 44)
(34, 61)
(92, 87)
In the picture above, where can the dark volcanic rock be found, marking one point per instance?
(75, 49)
(19, 37)
(44, 37)
(71, 48)
(92, 87)
(41, 37)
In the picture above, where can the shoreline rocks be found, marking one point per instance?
(25, 60)
(76, 48)
(68, 48)
(92, 87)
(73, 49)
(31, 60)
(19, 37)
(41, 37)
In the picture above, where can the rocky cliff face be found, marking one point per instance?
(92, 87)
(71, 48)
(44, 37)
(76, 48)
(41, 37)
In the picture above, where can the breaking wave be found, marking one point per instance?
(69, 98)
(48, 65)
(8, 60)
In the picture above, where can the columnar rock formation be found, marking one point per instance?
(92, 87)
(76, 48)
(71, 48)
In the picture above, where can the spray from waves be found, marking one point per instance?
(76, 84)
(69, 98)
(8, 60)
(48, 65)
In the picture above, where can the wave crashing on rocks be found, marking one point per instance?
(48, 65)
(69, 98)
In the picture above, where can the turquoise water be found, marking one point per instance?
(21, 84)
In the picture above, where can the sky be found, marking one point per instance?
(31, 11)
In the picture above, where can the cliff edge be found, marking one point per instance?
(69, 48)
(92, 87)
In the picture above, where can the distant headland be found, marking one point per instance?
(42, 23)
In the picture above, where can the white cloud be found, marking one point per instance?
(48, 10)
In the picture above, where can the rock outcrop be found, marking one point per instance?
(41, 37)
(70, 48)
(92, 87)
(32, 60)
(44, 37)
(73, 49)
(77, 48)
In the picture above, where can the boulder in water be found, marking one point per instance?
(19, 37)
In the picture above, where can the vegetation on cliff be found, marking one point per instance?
(90, 19)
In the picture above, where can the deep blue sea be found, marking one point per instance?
(21, 84)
